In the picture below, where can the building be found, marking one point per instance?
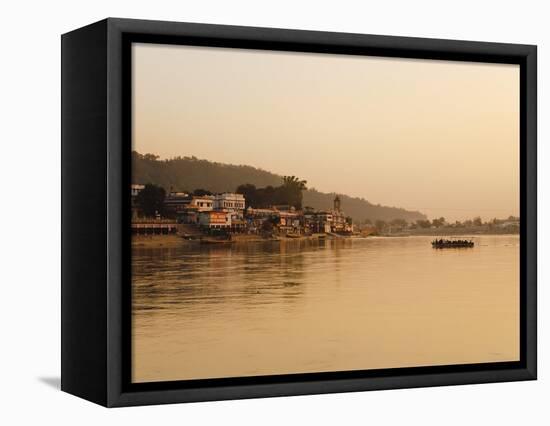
(150, 226)
(185, 207)
(337, 203)
(510, 225)
(214, 219)
(136, 188)
(202, 203)
(255, 218)
(290, 222)
(328, 221)
(252, 212)
(338, 223)
(177, 195)
(318, 222)
(176, 203)
(284, 208)
(233, 204)
(229, 201)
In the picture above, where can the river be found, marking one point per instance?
(312, 306)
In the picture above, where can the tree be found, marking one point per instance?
(267, 196)
(294, 181)
(201, 192)
(380, 225)
(146, 157)
(400, 223)
(439, 222)
(151, 200)
(249, 193)
(423, 223)
(291, 191)
(477, 221)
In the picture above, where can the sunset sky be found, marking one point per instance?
(436, 136)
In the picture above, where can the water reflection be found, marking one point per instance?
(172, 278)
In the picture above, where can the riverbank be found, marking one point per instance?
(175, 240)
(462, 231)
(171, 240)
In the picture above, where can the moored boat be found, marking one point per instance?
(293, 235)
(216, 241)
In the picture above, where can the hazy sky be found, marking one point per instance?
(436, 136)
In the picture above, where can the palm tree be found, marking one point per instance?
(293, 181)
(292, 190)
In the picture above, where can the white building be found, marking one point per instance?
(229, 201)
(202, 203)
(136, 189)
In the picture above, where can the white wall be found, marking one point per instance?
(30, 245)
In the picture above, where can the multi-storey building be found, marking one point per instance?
(202, 203)
(229, 201)
(333, 220)
(135, 189)
(185, 208)
(176, 203)
(214, 219)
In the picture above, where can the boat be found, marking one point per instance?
(441, 243)
(293, 235)
(216, 241)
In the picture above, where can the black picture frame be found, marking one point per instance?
(96, 99)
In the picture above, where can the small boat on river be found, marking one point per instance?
(293, 235)
(216, 241)
(441, 243)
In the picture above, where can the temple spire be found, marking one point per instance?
(337, 203)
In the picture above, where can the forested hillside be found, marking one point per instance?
(190, 173)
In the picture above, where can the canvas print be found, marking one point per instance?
(302, 213)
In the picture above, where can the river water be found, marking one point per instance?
(312, 306)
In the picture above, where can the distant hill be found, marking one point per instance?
(359, 208)
(190, 173)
